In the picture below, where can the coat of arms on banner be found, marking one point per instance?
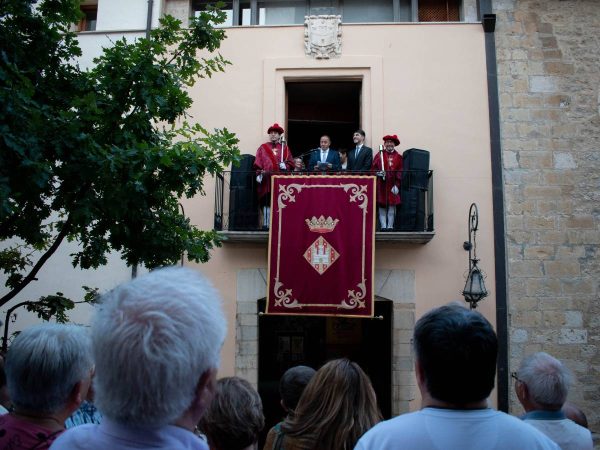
(323, 36)
(321, 255)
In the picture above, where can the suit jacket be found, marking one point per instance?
(333, 157)
(364, 160)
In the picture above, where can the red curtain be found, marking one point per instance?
(321, 246)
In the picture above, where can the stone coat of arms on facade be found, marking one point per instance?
(323, 36)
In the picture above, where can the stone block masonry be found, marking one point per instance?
(549, 80)
(395, 285)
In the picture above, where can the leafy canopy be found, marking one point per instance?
(101, 156)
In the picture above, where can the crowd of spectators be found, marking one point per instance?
(152, 356)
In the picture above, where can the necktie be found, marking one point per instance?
(356, 151)
(323, 156)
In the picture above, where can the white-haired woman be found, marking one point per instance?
(48, 370)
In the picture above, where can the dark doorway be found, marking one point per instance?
(287, 341)
(315, 108)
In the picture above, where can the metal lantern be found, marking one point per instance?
(474, 290)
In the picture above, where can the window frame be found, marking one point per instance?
(339, 4)
(85, 9)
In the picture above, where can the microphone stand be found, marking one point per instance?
(308, 152)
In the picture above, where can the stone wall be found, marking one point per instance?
(549, 78)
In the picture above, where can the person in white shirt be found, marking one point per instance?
(343, 159)
(455, 364)
(325, 157)
(542, 385)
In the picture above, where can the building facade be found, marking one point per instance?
(421, 69)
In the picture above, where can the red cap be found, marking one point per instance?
(392, 137)
(275, 127)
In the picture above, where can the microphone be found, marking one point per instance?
(309, 152)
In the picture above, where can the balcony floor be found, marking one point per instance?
(411, 237)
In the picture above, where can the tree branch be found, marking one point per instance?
(7, 321)
(36, 268)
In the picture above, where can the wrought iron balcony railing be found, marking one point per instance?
(237, 208)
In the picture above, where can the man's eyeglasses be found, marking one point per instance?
(514, 375)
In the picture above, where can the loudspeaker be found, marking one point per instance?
(243, 203)
(242, 176)
(415, 165)
(410, 216)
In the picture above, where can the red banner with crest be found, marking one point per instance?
(321, 245)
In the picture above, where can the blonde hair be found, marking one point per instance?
(337, 407)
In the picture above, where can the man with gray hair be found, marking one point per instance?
(156, 341)
(455, 363)
(48, 371)
(542, 385)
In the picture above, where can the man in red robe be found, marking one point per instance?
(388, 166)
(271, 157)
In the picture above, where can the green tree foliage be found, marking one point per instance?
(101, 156)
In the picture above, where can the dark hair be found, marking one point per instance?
(337, 407)
(456, 349)
(234, 417)
(361, 131)
(292, 384)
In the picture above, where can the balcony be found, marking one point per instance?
(238, 217)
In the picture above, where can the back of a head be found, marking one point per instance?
(235, 416)
(547, 380)
(575, 413)
(153, 338)
(292, 384)
(456, 349)
(337, 407)
(43, 365)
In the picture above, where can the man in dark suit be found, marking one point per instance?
(324, 158)
(361, 157)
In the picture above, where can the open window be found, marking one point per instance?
(439, 10)
(88, 21)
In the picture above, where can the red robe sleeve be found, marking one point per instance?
(267, 162)
(393, 177)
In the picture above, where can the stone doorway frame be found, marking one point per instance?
(395, 285)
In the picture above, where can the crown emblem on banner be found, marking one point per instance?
(321, 225)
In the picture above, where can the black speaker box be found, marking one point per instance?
(243, 176)
(410, 216)
(415, 165)
(243, 204)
